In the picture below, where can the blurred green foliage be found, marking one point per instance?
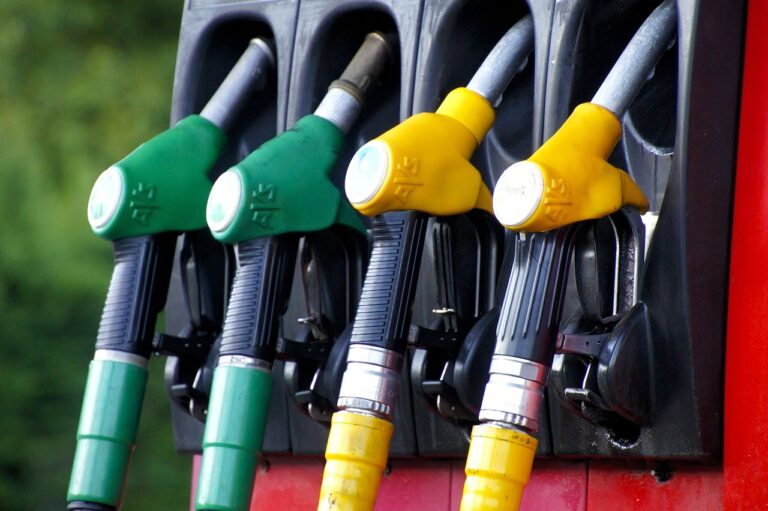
(81, 84)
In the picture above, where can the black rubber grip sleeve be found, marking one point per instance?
(384, 313)
(136, 292)
(259, 296)
(533, 303)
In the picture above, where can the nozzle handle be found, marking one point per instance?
(117, 377)
(259, 297)
(384, 312)
(638, 59)
(527, 330)
(347, 95)
(233, 92)
(137, 293)
(533, 302)
(504, 61)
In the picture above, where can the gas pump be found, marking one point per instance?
(417, 170)
(600, 331)
(549, 199)
(142, 203)
(264, 205)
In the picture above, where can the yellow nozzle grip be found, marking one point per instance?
(498, 468)
(428, 153)
(356, 454)
(579, 184)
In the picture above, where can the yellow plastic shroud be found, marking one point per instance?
(356, 454)
(579, 184)
(498, 468)
(429, 168)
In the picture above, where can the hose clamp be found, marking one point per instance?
(514, 392)
(124, 357)
(243, 361)
(371, 381)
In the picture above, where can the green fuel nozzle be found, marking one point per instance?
(142, 203)
(263, 205)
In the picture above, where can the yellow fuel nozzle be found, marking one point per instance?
(498, 468)
(422, 164)
(568, 179)
(356, 454)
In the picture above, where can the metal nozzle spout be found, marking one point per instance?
(638, 59)
(245, 75)
(505, 60)
(366, 66)
(346, 96)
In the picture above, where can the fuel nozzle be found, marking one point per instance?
(278, 194)
(142, 203)
(233, 215)
(125, 200)
(566, 181)
(422, 164)
(418, 169)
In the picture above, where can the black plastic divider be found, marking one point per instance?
(456, 36)
(327, 36)
(213, 35)
(689, 104)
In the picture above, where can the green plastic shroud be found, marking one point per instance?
(107, 431)
(287, 185)
(166, 182)
(234, 432)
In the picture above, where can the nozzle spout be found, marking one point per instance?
(638, 59)
(233, 92)
(504, 61)
(347, 95)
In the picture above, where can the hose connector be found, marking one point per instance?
(514, 392)
(106, 433)
(498, 468)
(356, 455)
(371, 380)
(234, 432)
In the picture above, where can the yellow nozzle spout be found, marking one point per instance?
(422, 164)
(498, 468)
(568, 179)
(356, 454)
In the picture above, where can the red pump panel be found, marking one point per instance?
(616, 486)
(746, 368)
(412, 485)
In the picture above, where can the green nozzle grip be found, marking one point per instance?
(287, 186)
(165, 181)
(234, 432)
(107, 431)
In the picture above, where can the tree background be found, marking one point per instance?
(81, 84)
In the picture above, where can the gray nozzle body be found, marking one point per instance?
(638, 59)
(346, 96)
(233, 92)
(504, 61)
